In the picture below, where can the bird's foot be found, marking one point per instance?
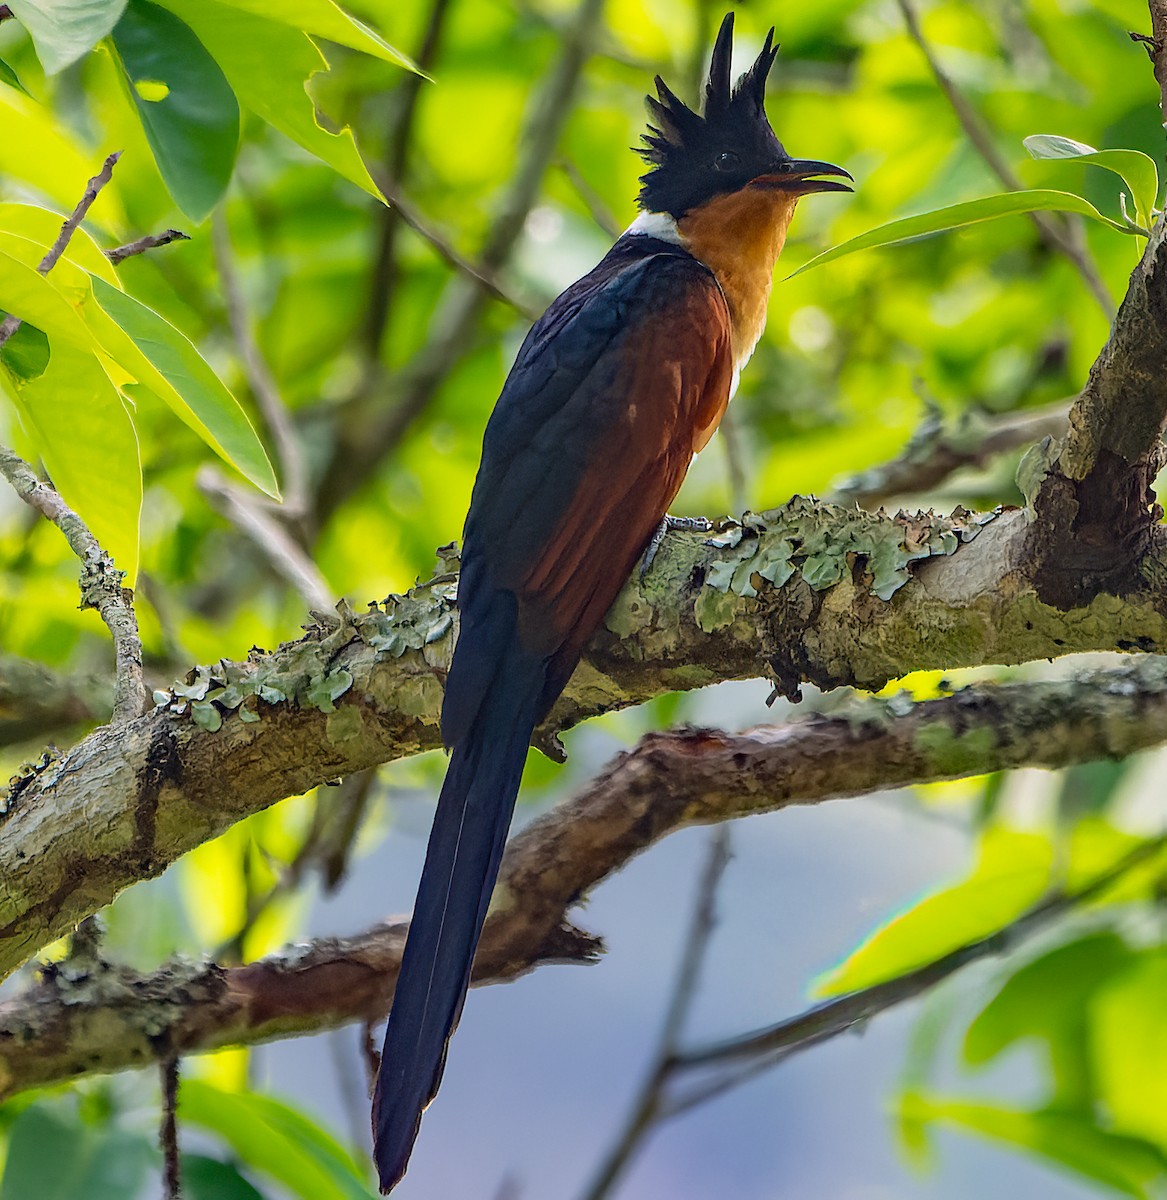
(700, 524)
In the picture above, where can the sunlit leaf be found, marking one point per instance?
(269, 65)
(38, 151)
(85, 436)
(165, 361)
(40, 227)
(63, 30)
(1130, 1039)
(10, 77)
(1136, 169)
(325, 19)
(1128, 1165)
(54, 1157)
(31, 297)
(193, 128)
(1011, 874)
(957, 216)
(274, 1139)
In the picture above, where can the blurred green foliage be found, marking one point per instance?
(254, 109)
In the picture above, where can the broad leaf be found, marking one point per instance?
(163, 360)
(39, 152)
(269, 65)
(82, 431)
(325, 19)
(53, 1157)
(1011, 874)
(956, 216)
(209, 1179)
(10, 77)
(1136, 169)
(30, 296)
(1128, 1165)
(26, 354)
(1130, 1043)
(273, 1138)
(186, 105)
(40, 227)
(63, 30)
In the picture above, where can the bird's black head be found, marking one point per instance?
(732, 146)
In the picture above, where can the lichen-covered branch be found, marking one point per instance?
(809, 592)
(110, 1018)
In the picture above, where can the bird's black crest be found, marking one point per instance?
(697, 157)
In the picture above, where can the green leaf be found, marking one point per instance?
(63, 30)
(1128, 1165)
(1011, 874)
(54, 1157)
(326, 19)
(26, 353)
(1136, 169)
(31, 297)
(269, 65)
(275, 1139)
(209, 1179)
(956, 216)
(163, 360)
(40, 152)
(1130, 1044)
(1046, 995)
(10, 77)
(193, 129)
(84, 434)
(40, 226)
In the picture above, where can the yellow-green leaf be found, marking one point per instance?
(1136, 169)
(269, 65)
(164, 360)
(39, 228)
(1011, 874)
(81, 429)
(956, 216)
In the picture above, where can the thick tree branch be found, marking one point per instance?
(125, 802)
(110, 1018)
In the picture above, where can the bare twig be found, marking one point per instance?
(369, 436)
(149, 241)
(260, 522)
(726, 1064)
(487, 280)
(263, 385)
(399, 145)
(645, 1109)
(600, 212)
(937, 449)
(168, 1130)
(1065, 237)
(11, 323)
(101, 583)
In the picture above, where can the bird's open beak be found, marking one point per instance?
(798, 176)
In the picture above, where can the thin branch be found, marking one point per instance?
(487, 280)
(670, 781)
(1063, 237)
(264, 388)
(645, 1109)
(384, 272)
(101, 583)
(11, 323)
(727, 1064)
(370, 436)
(260, 522)
(168, 1130)
(593, 201)
(937, 449)
(150, 241)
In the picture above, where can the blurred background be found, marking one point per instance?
(369, 343)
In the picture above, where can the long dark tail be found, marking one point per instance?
(461, 865)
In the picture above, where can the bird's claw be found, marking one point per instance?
(698, 524)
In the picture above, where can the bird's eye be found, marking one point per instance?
(726, 161)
